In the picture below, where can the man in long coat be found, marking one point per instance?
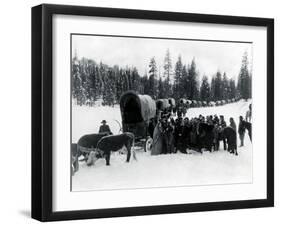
(157, 145)
(241, 131)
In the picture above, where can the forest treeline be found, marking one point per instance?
(92, 81)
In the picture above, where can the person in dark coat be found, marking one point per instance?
(241, 131)
(248, 126)
(232, 124)
(168, 141)
(104, 128)
(222, 121)
(151, 126)
(206, 136)
(216, 119)
(193, 134)
(249, 114)
(231, 138)
(222, 125)
(187, 133)
(179, 139)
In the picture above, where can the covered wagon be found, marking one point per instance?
(188, 102)
(212, 104)
(138, 114)
(194, 103)
(162, 104)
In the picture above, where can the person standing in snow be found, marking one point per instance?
(220, 128)
(167, 130)
(222, 122)
(232, 124)
(241, 131)
(104, 128)
(249, 114)
(179, 139)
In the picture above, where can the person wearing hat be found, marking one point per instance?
(241, 131)
(104, 128)
(232, 124)
(249, 114)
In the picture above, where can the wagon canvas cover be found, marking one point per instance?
(136, 108)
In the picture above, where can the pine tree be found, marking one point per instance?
(162, 93)
(146, 85)
(167, 73)
(76, 80)
(225, 87)
(218, 87)
(110, 88)
(177, 89)
(205, 89)
(185, 83)
(153, 90)
(244, 79)
(232, 88)
(213, 84)
(193, 80)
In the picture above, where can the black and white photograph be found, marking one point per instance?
(154, 112)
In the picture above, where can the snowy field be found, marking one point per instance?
(162, 170)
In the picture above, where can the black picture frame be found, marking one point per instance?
(42, 107)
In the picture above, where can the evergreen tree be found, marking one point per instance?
(193, 81)
(213, 84)
(146, 85)
(232, 88)
(167, 73)
(218, 95)
(205, 89)
(185, 83)
(109, 89)
(162, 92)
(76, 81)
(153, 89)
(225, 87)
(177, 89)
(244, 79)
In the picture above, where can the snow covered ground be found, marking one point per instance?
(162, 170)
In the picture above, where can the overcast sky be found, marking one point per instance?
(209, 56)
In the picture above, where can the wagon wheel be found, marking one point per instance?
(148, 144)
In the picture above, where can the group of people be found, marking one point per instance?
(179, 134)
(172, 134)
